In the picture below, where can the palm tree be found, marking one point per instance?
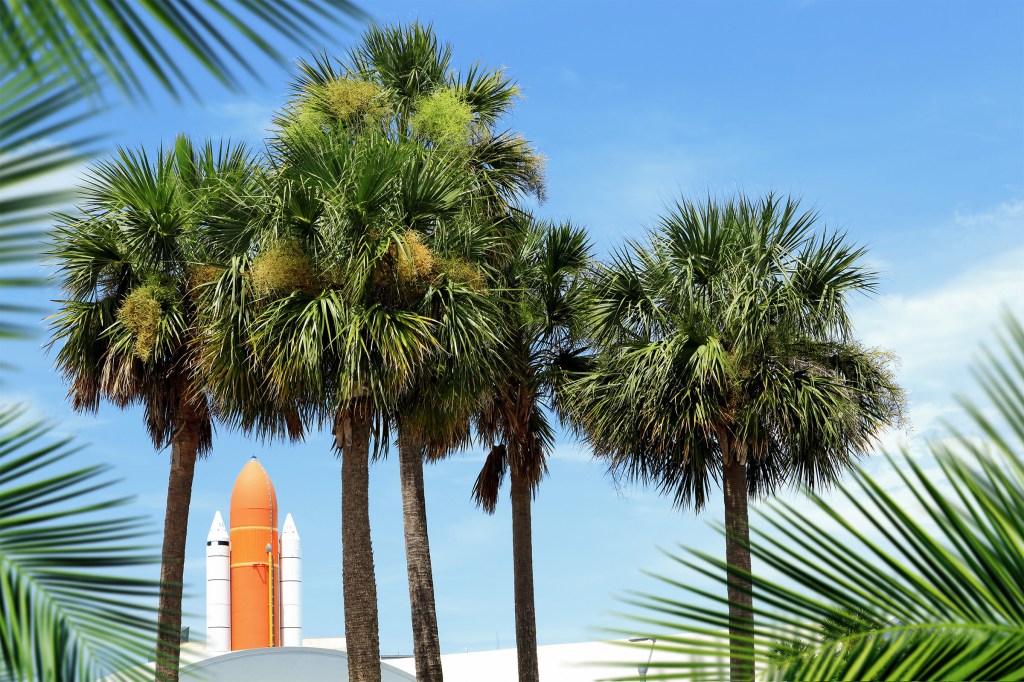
(539, 330)
(432, 414)
(453, 114)
(329, 295)
(725, 355)
(457, 113)
(882, 592)
(126, 333)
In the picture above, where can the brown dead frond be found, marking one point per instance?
(488, 482)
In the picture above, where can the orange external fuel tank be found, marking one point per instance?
(255, 561)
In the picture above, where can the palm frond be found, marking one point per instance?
(507, 167)
(489, 480)
(887, 591)
(114, 39)
(31, 112)
(67, 614)
(490, 92)
(407, 59)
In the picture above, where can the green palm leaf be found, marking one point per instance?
(66, 615)
(113, 39)
(31, 111)
(932, 589)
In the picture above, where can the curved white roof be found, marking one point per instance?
(309, 664)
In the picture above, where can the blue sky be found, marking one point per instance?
(902, 122)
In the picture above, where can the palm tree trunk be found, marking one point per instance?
(184, 448)
(737, 555)
(359, 585)
(426, 648)
(522, 563)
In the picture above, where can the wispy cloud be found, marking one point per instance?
(568, 76)
(1008, 215)
(936, 332)
(249, 118)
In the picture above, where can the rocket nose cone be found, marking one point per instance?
(291, 545)
(289, 527)
(218, 531)
(253, 497)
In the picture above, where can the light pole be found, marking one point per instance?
(642, 669)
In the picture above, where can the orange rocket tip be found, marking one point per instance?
(253, 498)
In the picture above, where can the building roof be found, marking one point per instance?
(579, 662)
(309, 664)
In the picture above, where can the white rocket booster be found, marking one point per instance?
(218, 588)
(291, 585)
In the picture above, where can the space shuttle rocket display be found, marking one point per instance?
(253, 575)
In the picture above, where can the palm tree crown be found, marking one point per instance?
(726, 338)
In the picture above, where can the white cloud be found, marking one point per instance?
(250, 119)
(1009, 215)
(936, 332)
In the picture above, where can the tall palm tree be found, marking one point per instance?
(414, 66)
(126, 333)
(539, 327)
(330, 303)
(725, 355)
(432, 414)
(455, 115)
(883, 592)
(432, 419)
